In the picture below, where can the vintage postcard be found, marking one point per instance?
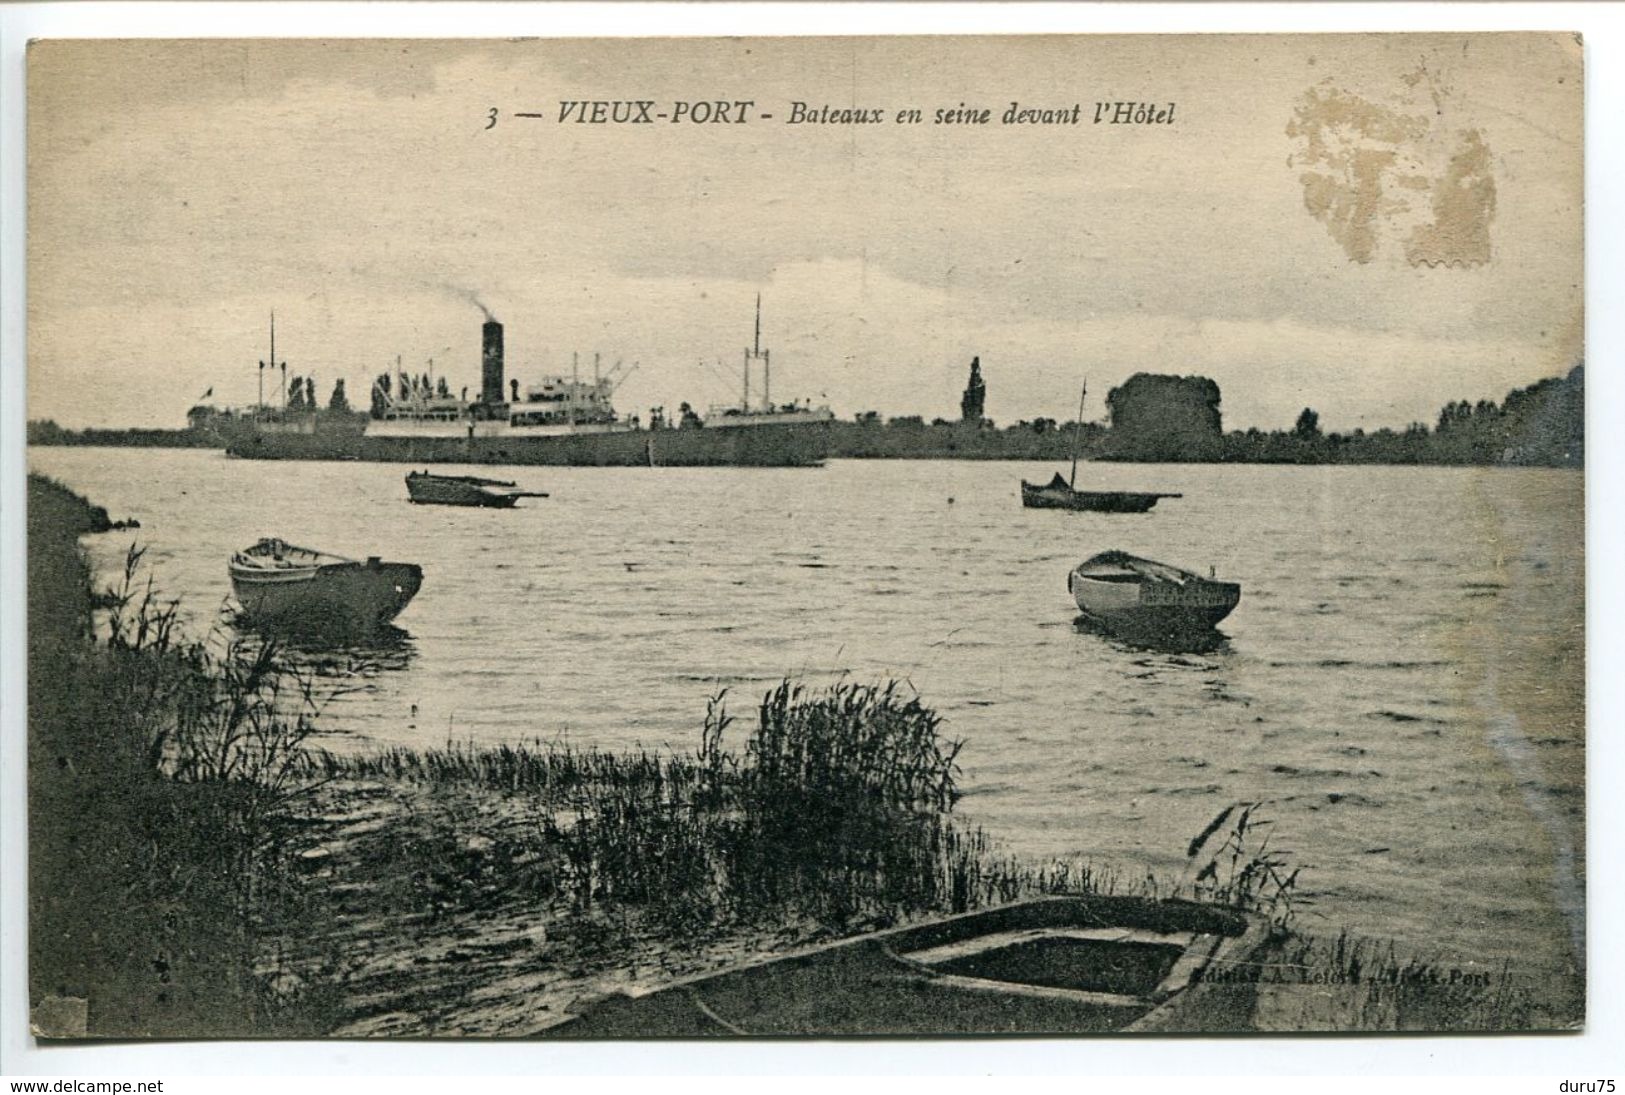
(649, 538)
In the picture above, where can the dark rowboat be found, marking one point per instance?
(1060, 965)
(282, 585)
(464, 490)
(1143, 599)
(1057, 494)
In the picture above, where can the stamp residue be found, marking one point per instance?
(1376, 175)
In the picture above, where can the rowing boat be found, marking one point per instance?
(1138, 597)
(1056, 965)
(465, 490)
(280, 584)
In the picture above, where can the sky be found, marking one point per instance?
(1369, 225)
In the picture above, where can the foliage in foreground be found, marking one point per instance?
(159, 792)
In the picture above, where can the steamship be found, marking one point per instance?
(561, 420)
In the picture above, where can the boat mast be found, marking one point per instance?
(1077, 430)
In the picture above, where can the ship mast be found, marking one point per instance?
(259, 407)
(273, 364)
(284, 365)
(756, 353)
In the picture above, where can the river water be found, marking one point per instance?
(1401, 683)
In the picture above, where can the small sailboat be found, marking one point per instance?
(1143, 599)
(427, 488)
(1059, 493)
(279, 584)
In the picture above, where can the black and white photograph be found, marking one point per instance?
(801, 537)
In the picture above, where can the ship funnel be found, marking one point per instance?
(491, 363)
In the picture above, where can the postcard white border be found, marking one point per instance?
(362, 1065)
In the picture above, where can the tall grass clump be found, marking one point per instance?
(839, 802)
(161, 779)
(833, 806)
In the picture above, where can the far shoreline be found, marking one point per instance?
(111, 439)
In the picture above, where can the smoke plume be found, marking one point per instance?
(472, 297)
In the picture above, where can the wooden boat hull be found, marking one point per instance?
(438, 490)
(1089, 501)
(483, 501)
(1159, 625)
(1061, 965)
(341, 596)
(1151, 601)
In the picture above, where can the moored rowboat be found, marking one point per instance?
(465, 490)
(280, 584)
(1058, 965)
(1142, 598)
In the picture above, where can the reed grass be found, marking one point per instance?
(835, 806)
(1242, 870)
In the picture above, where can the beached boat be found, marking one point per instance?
(1061, 493)
(428, 488)
(279, 584)
(1058, 965)
(1141, 598)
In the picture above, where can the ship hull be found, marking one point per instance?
(765, 446)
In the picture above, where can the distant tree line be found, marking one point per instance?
(1158, 418)
(45, 431)
(1543, 424)
(911, 437)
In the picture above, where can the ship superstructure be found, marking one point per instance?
(556, 406)
(761, 411)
